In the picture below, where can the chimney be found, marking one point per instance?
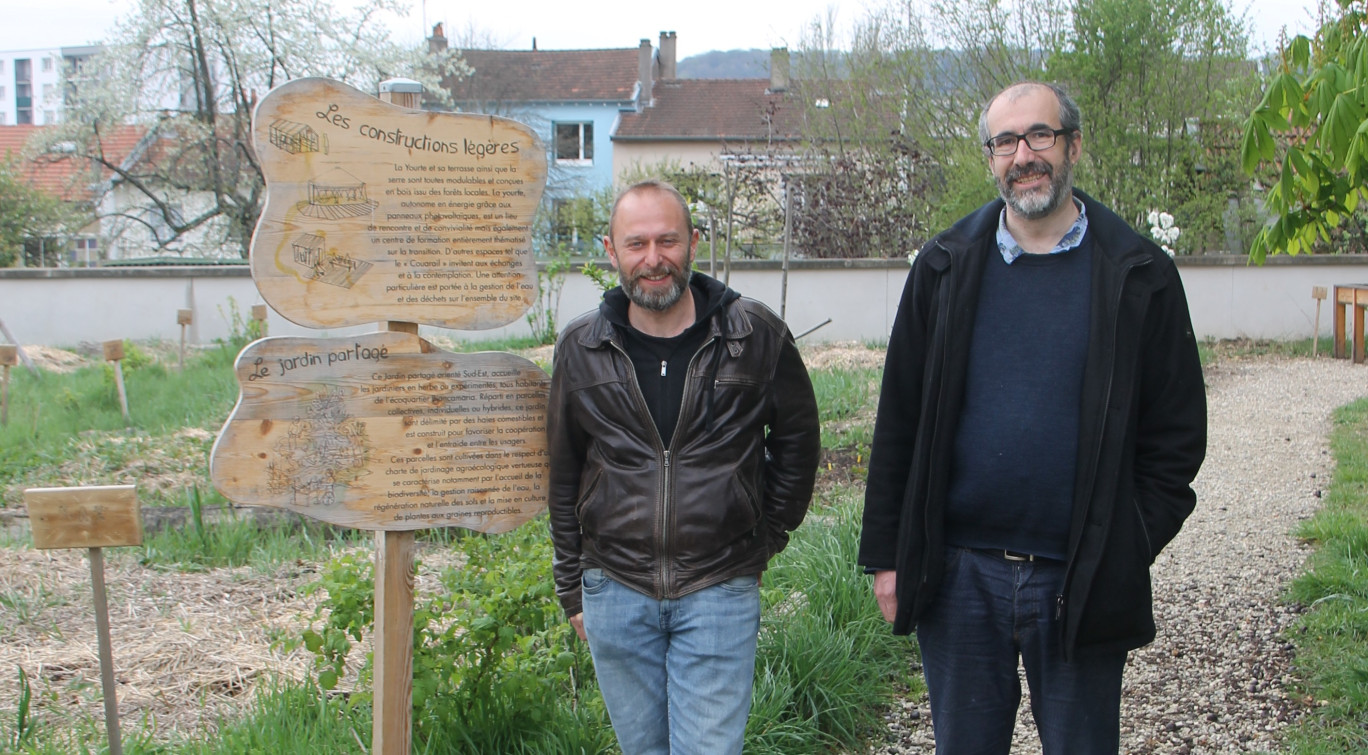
(667, 56)
(779, 69)
(644, 74)
(437, 43)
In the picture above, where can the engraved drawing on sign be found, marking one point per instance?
(297, 137)
(336, 195)
(327, 266)
(320, 453)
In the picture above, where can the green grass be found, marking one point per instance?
(1332, 636)
(827, 662)
(845, 401)
(239, 540)
(60, 424)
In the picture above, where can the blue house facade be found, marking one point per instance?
(574, 99)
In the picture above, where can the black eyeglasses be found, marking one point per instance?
(1039, 140)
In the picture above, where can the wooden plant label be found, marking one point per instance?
(385, 432)
(86, 517)
(185, 316)
(113, 350)
(375, 212)
(9, 355)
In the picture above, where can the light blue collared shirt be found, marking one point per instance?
(1072, 238)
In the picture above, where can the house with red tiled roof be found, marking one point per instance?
(573, 98)
(696, 122)
(121, 225)
(63, 174)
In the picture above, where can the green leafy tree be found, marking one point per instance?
(1161, 85)
(190, 73)
(25, 212)
(1308, 138)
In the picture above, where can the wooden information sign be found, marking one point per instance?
(94, 517)
(89, 517)
(380, 213)
(375, 212)
(385, 432)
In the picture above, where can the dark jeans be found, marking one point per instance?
(988, 613)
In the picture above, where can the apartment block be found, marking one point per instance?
(34, 83)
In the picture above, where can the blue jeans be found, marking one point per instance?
(988, 613)
(676, 675)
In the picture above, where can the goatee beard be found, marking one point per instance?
(661, 300)
(1035, 205)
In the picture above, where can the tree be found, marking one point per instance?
(190, 73)
(25, 212)
(1160, 85)
(1308, 137)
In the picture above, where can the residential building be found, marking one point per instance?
(34, 83)
(706, 122)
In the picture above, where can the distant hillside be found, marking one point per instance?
(726, 64)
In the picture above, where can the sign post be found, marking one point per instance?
(380, 213)
(184, 317)
(114, 352)
(95, 518)
(9, 356)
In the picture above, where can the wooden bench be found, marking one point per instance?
(1350, 300)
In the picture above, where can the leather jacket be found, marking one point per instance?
(714, 503)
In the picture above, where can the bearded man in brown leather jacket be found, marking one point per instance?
(684, 441)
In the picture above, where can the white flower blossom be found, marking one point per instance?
(1164, 231)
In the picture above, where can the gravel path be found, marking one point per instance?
(1217, 678)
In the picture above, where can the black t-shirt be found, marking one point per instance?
(662, 368)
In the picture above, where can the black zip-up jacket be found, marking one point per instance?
(671, 516)
(1142, 428)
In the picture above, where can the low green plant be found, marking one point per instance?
(496, 668)
(232, 540)
(290, 718)
(1331, 637)
(603, 277)
(23, 725)
(550, 282)
(827, 663)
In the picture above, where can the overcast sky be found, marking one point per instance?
(701, 25)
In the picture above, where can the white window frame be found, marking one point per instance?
(586, 146)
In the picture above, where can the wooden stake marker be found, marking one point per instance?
(378, 213)
(259, 315)
(114, 352)
(94, 518)
(184, 318)
(9, 356)
(1319, 294)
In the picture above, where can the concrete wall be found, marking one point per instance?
(1228, 297)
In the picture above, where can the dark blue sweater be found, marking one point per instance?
(1016, 446)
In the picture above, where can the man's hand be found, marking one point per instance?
(886, 592)
(577, 621)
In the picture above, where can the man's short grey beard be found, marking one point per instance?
(1035, 206)
(661, 300)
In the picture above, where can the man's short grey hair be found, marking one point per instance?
(653, 184)
(1070, 117)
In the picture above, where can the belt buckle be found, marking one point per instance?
(1014, 556)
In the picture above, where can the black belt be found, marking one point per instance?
(1007, 555)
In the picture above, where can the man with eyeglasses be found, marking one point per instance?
(1041, 420)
